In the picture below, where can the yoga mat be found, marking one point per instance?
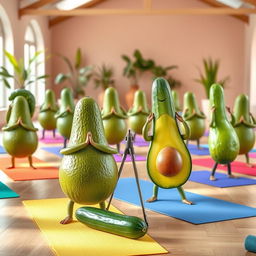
(118, 158)
(49, 139)
(6, 192)
(79, 240)
(222, 180)
(205, 209)
(250, 243)
(195, 151)
(238, 167)
(139, 141)
(2, 150)
(24, 172)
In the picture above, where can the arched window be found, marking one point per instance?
(6, 43)
(34, 43)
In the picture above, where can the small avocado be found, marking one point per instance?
(47, 112)
(113, 117)
(19, 134)
(176, 101)
(137, 115)
(88, 171)
(168, 161)
(65, 114)
(244, 124)
(194, 118)
(223, 141)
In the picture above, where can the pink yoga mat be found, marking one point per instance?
(49, 139)
(236, 166)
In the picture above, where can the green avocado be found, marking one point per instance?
(19, 134)
(47, 111)
(88, 171)
(244, 124)
(223, 140)
(194, 117)
(65, 114)
(168, 161)
(176, 101)
(137, 115)
(113, 117)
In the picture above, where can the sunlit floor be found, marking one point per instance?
(19, 235)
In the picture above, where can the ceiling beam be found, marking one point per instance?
(214, 3)
(60, 19)
(38, 4)
(179, 11)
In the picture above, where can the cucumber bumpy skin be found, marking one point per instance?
(111, 222)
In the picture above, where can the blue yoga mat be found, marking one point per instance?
(2, 150)
(205, 209)
(200, 152)
(54, 150)
(222, 179)
(6, 192)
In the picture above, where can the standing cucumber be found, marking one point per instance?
(111, 222)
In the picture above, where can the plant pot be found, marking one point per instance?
(130, 95)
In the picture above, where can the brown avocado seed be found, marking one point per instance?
(169, 162)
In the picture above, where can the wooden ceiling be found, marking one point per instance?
(215, 8)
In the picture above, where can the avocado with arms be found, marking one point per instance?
(168, 161)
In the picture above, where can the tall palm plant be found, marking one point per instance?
(103, 77)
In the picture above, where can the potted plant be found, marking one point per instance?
(78, 75)
(133, 70)
(207, 77)
(103, 77)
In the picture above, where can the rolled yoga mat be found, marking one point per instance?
(250, 243)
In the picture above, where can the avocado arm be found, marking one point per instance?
(123, 110)
(252, 118)
(19, 123)
(233, 120)
(185, 113)
(113, 113)
(8, 114)
(201, 115)
(139, 111)
(242, 121)
(89, 141)
(64, 113)
(186, 135)
(146, 127)
(212, 123)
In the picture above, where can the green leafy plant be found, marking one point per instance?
(103, 77)
(23, 76)
(209, 75)
(136, 66)
(78, 75)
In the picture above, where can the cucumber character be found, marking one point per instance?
(113, 117)
(88, 171)
(176, 101)
(244, 124)
(47, 113)
(65, 114)
(223, 140)
(19, 134)
(168, 161)
(194, 117)
(137, 115)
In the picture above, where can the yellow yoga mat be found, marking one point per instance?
(78, 239)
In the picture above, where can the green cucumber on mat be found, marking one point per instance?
(111, 222)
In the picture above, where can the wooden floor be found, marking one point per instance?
(20, 236)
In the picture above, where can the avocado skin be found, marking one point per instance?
(137, 122)
(246, 138)
(223, 140)
(20, 142)
(87, 176)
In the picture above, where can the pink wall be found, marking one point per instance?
(180, 40)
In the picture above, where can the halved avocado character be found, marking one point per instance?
(47, 112)
(137, 115)
(244, 124)
(223, 141)
(65, 114)
(176, 101)
(168, 161)
(113, 117)
(88, 171)
(19, 134)
(194, 117)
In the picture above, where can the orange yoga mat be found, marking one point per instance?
(23, 171)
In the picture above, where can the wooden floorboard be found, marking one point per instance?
(20, 236)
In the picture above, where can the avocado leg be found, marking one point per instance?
(30, 160)
(43, 134)
(102, 205)
(154, 196)
(187, 141)
(69, 218)
(183, 196)
(213, 172)
(13, 163)
(230, 175)
(65, 142)
(248, 160)
(118, 147)
(54, 134)
(198, 144)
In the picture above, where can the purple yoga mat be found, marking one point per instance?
(118, 158)
(139, 142)
(49, 139)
